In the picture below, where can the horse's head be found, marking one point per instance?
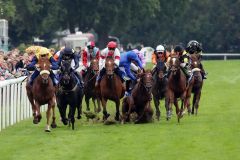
(161, 69)
(146, 80)
(174, 64)
(44, 68)
(94, 65)
(195, 66)
(109, 65)
(66, 69)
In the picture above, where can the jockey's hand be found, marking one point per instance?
(37, 65)
(115, 66)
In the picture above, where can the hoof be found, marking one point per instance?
(47, 129)
(53, 125)
(79, 117)
(35, 121)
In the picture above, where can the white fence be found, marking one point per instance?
(14, 104)
(224, 55)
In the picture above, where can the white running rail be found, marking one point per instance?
(14, 104)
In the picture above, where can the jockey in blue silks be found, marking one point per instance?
(42, 52)
(125, 62)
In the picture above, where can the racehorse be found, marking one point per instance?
(69, 93)
(195, 84)
(159, 86)
(89, 85)
(139, 100)
(42, 92)
(111, 88)
(176, 87)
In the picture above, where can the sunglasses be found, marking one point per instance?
(43, 55)
(159, 52)
(89, 47)
(111, 49)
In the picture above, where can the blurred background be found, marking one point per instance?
(131, 23)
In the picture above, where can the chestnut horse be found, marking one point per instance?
(176, 87)
(69, 93)
(195, 84)
(89, 85)
(42, 92)
(111, 88)
(139, 101)
(159, 86)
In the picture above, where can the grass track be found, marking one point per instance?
(213, 134)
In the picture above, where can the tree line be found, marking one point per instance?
(213, 23)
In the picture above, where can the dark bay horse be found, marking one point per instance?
(69, 93)
(176, 87)
(139, 101)
(42, 92)
(159, 86)
(111, 88)
(195, 84)
(89, 85)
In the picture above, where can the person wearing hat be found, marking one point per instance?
(42, 52)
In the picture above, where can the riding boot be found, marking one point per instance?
(81, 83)
(127, 91)
(121, 74)
(204, 74)
(99, 77)
(33, 76)
(54, 79)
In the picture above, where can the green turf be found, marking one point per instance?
(213, 134)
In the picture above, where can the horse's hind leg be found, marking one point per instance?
(53, 125)
(156, 104)
(99, 105)
(105, 114)
(94, 104)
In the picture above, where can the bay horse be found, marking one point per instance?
(89, 85)
(159, 86)
(42, 92)
(111, 88)
(195, 84)
(69, 93)
(140, 100)
(176, 87)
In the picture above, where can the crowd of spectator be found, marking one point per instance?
(12, 64)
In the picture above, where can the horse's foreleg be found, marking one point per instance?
(47, 129)
(105, 114)
(196, 104)
(94, 104)
(72, 113)
(87, 103)
(117, 110)
(193, 102)
(156, 104)
(166, 105)
(99, 105)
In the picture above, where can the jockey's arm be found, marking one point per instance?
(31, 66)
(102, 58)
(84, 58)
(117, 57)
(139, 63)
(129, 73)
(76, 61)
(54, 64)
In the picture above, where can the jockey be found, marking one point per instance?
(42, 52)
(114, 52)
(193, 47)
(126, 59)
(183, 58)
(69, 54)
(159, 55)
(91, 51)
